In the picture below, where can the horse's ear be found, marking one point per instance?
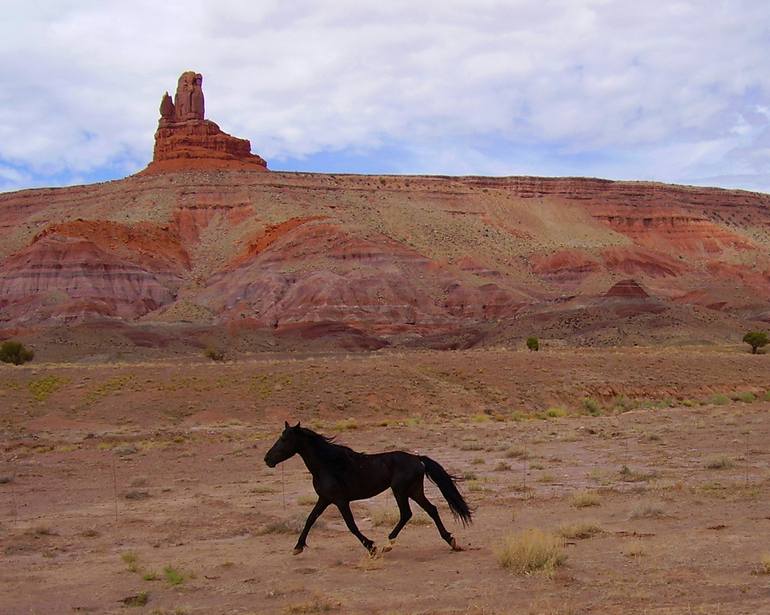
(286, 424)
(297, 425)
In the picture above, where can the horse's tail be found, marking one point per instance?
(446, 484)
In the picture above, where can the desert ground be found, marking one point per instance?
(140, 487)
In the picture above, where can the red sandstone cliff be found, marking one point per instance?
(391, 260)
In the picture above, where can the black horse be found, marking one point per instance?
(341, 475)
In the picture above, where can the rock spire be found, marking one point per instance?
(186, 140)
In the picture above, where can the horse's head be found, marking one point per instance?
(285, 446)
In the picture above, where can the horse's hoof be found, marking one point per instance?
(297, 550)
(455, 546)
(373, 551)
(388, 547)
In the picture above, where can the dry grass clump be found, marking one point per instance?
(131, 561)
(719, 462)
(319, 604)
(136, 494)
(764, 564)
(516, 452)
(139, 599)
(631, 476)
(647, 510)
(584, 499)
(292, 525)
(471, 445)
(390, 516)
(260, 489)
(580, 529)
(474, 486)
(635, 549)
(532, 550)
(345, 424)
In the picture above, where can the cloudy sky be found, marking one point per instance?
(668, 90)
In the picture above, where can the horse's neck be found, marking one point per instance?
(311, 452)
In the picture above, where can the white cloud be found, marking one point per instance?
(656, 90)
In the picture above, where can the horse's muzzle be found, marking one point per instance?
(269, 463)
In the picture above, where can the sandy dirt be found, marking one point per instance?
(112, 473)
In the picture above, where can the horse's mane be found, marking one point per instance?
(327, 448)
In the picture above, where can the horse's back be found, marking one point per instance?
(403, 465)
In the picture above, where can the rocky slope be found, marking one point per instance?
(206, 243)
(388, 260)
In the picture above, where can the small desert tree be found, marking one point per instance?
(755, 339)
(533, 343)
(15, 352)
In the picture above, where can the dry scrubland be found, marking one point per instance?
(605, 481)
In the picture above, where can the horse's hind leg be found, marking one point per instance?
(319, 507)
(347, 515)
(402, 499)
(418, 495)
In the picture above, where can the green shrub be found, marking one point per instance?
(591, 406)
(15, 352)
(173, 576)
(533, 343)
(745, 396)
(624, 404)
(755, 339)
(215, 354)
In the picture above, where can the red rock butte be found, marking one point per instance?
(185, 140)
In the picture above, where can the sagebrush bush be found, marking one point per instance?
(533, 343)
(15, 352)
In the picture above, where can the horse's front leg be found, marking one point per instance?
(347, 515)
(319, 507)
